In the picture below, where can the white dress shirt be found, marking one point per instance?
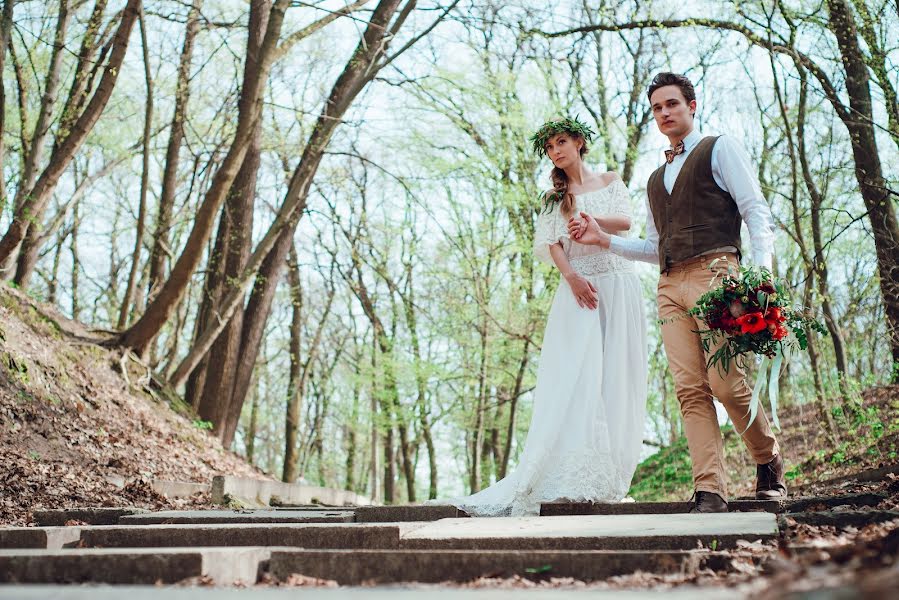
(734, 174)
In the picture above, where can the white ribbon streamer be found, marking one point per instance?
(762, 382)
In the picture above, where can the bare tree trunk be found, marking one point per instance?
(357, 73)
(144, 181)
(209, 296)
(38, 197)
(351, 435)
(161, 240)
(373, 407)
(496, 446)
(256, 69)
(251, 428)
(76, 263)
(5, 31)
(480, 410)
(387, 391)
(39, 138)
(238, 345)
(814, 357)
(877, 61)
(48, 104)
(294, 392)
(513, 406)
(389, 468)
(405, 450)
(171, 351)
(53, 284)
(235, 227)
(421, 401)
(85, 71)
(798, 162)
(859, 120)
(819, 261)
(253, 327)
(22, 104)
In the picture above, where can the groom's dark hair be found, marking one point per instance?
(663, 79)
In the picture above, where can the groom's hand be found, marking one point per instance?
(587, 231)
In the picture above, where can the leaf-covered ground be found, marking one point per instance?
(74, 428)
(817, 444)
(72, 424)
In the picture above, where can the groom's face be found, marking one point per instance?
(672, 112)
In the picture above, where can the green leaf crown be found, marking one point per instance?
(571, 126)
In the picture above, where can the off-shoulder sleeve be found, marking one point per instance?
(620, 200)
(550, 229)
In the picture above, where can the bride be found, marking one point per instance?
(586, 429)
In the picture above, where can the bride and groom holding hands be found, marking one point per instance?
(587, 425)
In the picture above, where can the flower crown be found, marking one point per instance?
(567, 125)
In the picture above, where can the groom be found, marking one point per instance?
(696, 203)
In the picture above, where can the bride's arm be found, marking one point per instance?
(583, 290)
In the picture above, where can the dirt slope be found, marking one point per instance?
(71, 424)
(867, 439)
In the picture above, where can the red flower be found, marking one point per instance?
(751, 323)
(728, 323)
(773, 315)
(779, 332)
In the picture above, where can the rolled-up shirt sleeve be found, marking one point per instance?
(734, 174)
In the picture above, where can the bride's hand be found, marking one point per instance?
(576, 227)
(583, 291)
(587, 231)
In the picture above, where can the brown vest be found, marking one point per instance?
(697, 216)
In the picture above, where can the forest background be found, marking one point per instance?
(313, 221)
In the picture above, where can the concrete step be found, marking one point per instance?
(553, 509)
(53, 538)
(406, 513)
(791, 504)
(131, 566)
(49, 592)
(196, 517)
(313, 535)
(355, 567)
(594, 532)
(90, 515)
(225, 566)
(587, 532)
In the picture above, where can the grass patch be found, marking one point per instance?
(666, 475)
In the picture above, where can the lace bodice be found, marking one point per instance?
(552, 227)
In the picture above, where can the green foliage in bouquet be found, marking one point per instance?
(754, 314)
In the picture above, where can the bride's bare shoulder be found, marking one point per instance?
(610, 177)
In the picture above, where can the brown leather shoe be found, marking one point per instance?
(709, 502)
(770, 482)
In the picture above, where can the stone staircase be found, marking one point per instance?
(374, 545)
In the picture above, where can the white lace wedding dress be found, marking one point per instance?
(586, 429)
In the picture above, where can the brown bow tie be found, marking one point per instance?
(672, 152)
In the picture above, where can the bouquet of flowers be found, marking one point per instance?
(753, 313)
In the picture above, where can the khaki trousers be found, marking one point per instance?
(679, 289)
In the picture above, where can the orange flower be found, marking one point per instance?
(751, 323)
